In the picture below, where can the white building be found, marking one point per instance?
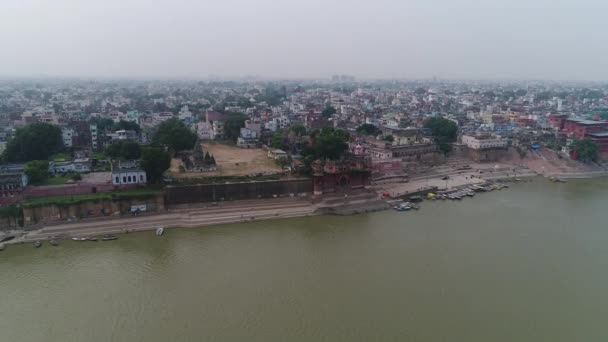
(185, 113)
(484, 142)
(204, 130)
(128, 172)
(94, 138)
(66, 135)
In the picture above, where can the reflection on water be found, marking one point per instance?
(524, 264)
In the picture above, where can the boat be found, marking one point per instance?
(79, 239)
(54, 242)
(1, 246)
(92, 239)
(109, 237)
(415, 198)
(403, 207)
(160, 231)
(7, 238)
(37, 244)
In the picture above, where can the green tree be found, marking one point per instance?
(37, 141)
(299, 130)
(368, 129)
(329, 143)
(127, 125)
(174, 135)
(102, 124)
(586, 150)
(420, 91)
(37, 171)
(155, 162)
(278, 140)
(233, 123)
(389, 138)
(124, 149)
(328, 112)
(444, 132)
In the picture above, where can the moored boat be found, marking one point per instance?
(160, 231)
(54, 242)
(1, 246)
(79, 239)
(109, 237)
(37, 244)
(92, 239)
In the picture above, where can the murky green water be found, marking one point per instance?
(525, 264)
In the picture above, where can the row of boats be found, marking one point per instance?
(459, 194)
(108, 237)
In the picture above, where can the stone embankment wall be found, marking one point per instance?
(89, 210)
(176, 195)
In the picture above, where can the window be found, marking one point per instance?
(129, 179)
(117, 179)
(124, 179)
(141, 178)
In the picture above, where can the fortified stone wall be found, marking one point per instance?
(235, 191)
(89, 210)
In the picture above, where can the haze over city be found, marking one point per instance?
(451, 39)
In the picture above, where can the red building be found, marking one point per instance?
(597, 131)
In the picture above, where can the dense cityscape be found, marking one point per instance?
(87, 138)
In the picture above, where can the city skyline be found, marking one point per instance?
(453, 40)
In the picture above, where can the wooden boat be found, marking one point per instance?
(54, 242)
(109, 238)
(37, 244)
(79, 239)
(92, 239)
(160, 231)
(7, 238)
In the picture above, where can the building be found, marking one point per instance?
(248, 138)
(128, 172)
(77, 165)
(67, 134)
(204, 131)
(277, 154)
(121, 135)
(94, 137)
(485, 148)
(12, 185)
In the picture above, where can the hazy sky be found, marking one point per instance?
(531, 39)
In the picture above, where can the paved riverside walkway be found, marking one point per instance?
(229, 212)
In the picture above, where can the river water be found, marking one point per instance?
(525, 264)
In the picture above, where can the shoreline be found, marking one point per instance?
(204, 215)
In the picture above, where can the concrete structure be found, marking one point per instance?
(484, 142)
(277, 154)
(128, 172)
(78, 165)
(67, 135)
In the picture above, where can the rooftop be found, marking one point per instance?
(588, 122)
(598, 134)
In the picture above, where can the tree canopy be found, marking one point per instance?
(155, 162)
(586, 150)
(127, 125)
(368, 129)
(329, 143)
(175, 135)
(37, 141)
(328, 112)
(444, 132)
(124, 149)
(37, 171)
(389, 138)
(233, 123)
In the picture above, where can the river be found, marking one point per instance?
(529, 263)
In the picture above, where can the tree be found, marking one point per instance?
(444, 132)
(328, 112)
(37, 141)
(278, 140)
(233, 123)
(155, 162)
(37, 171)
(389, 138)
(127, 125)
(299, 130)
(102, 124)
(329, 143)
(420, 91)
(521, 92)
(368, 129)
(124, 149)
(586, 150)
(175, 135)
